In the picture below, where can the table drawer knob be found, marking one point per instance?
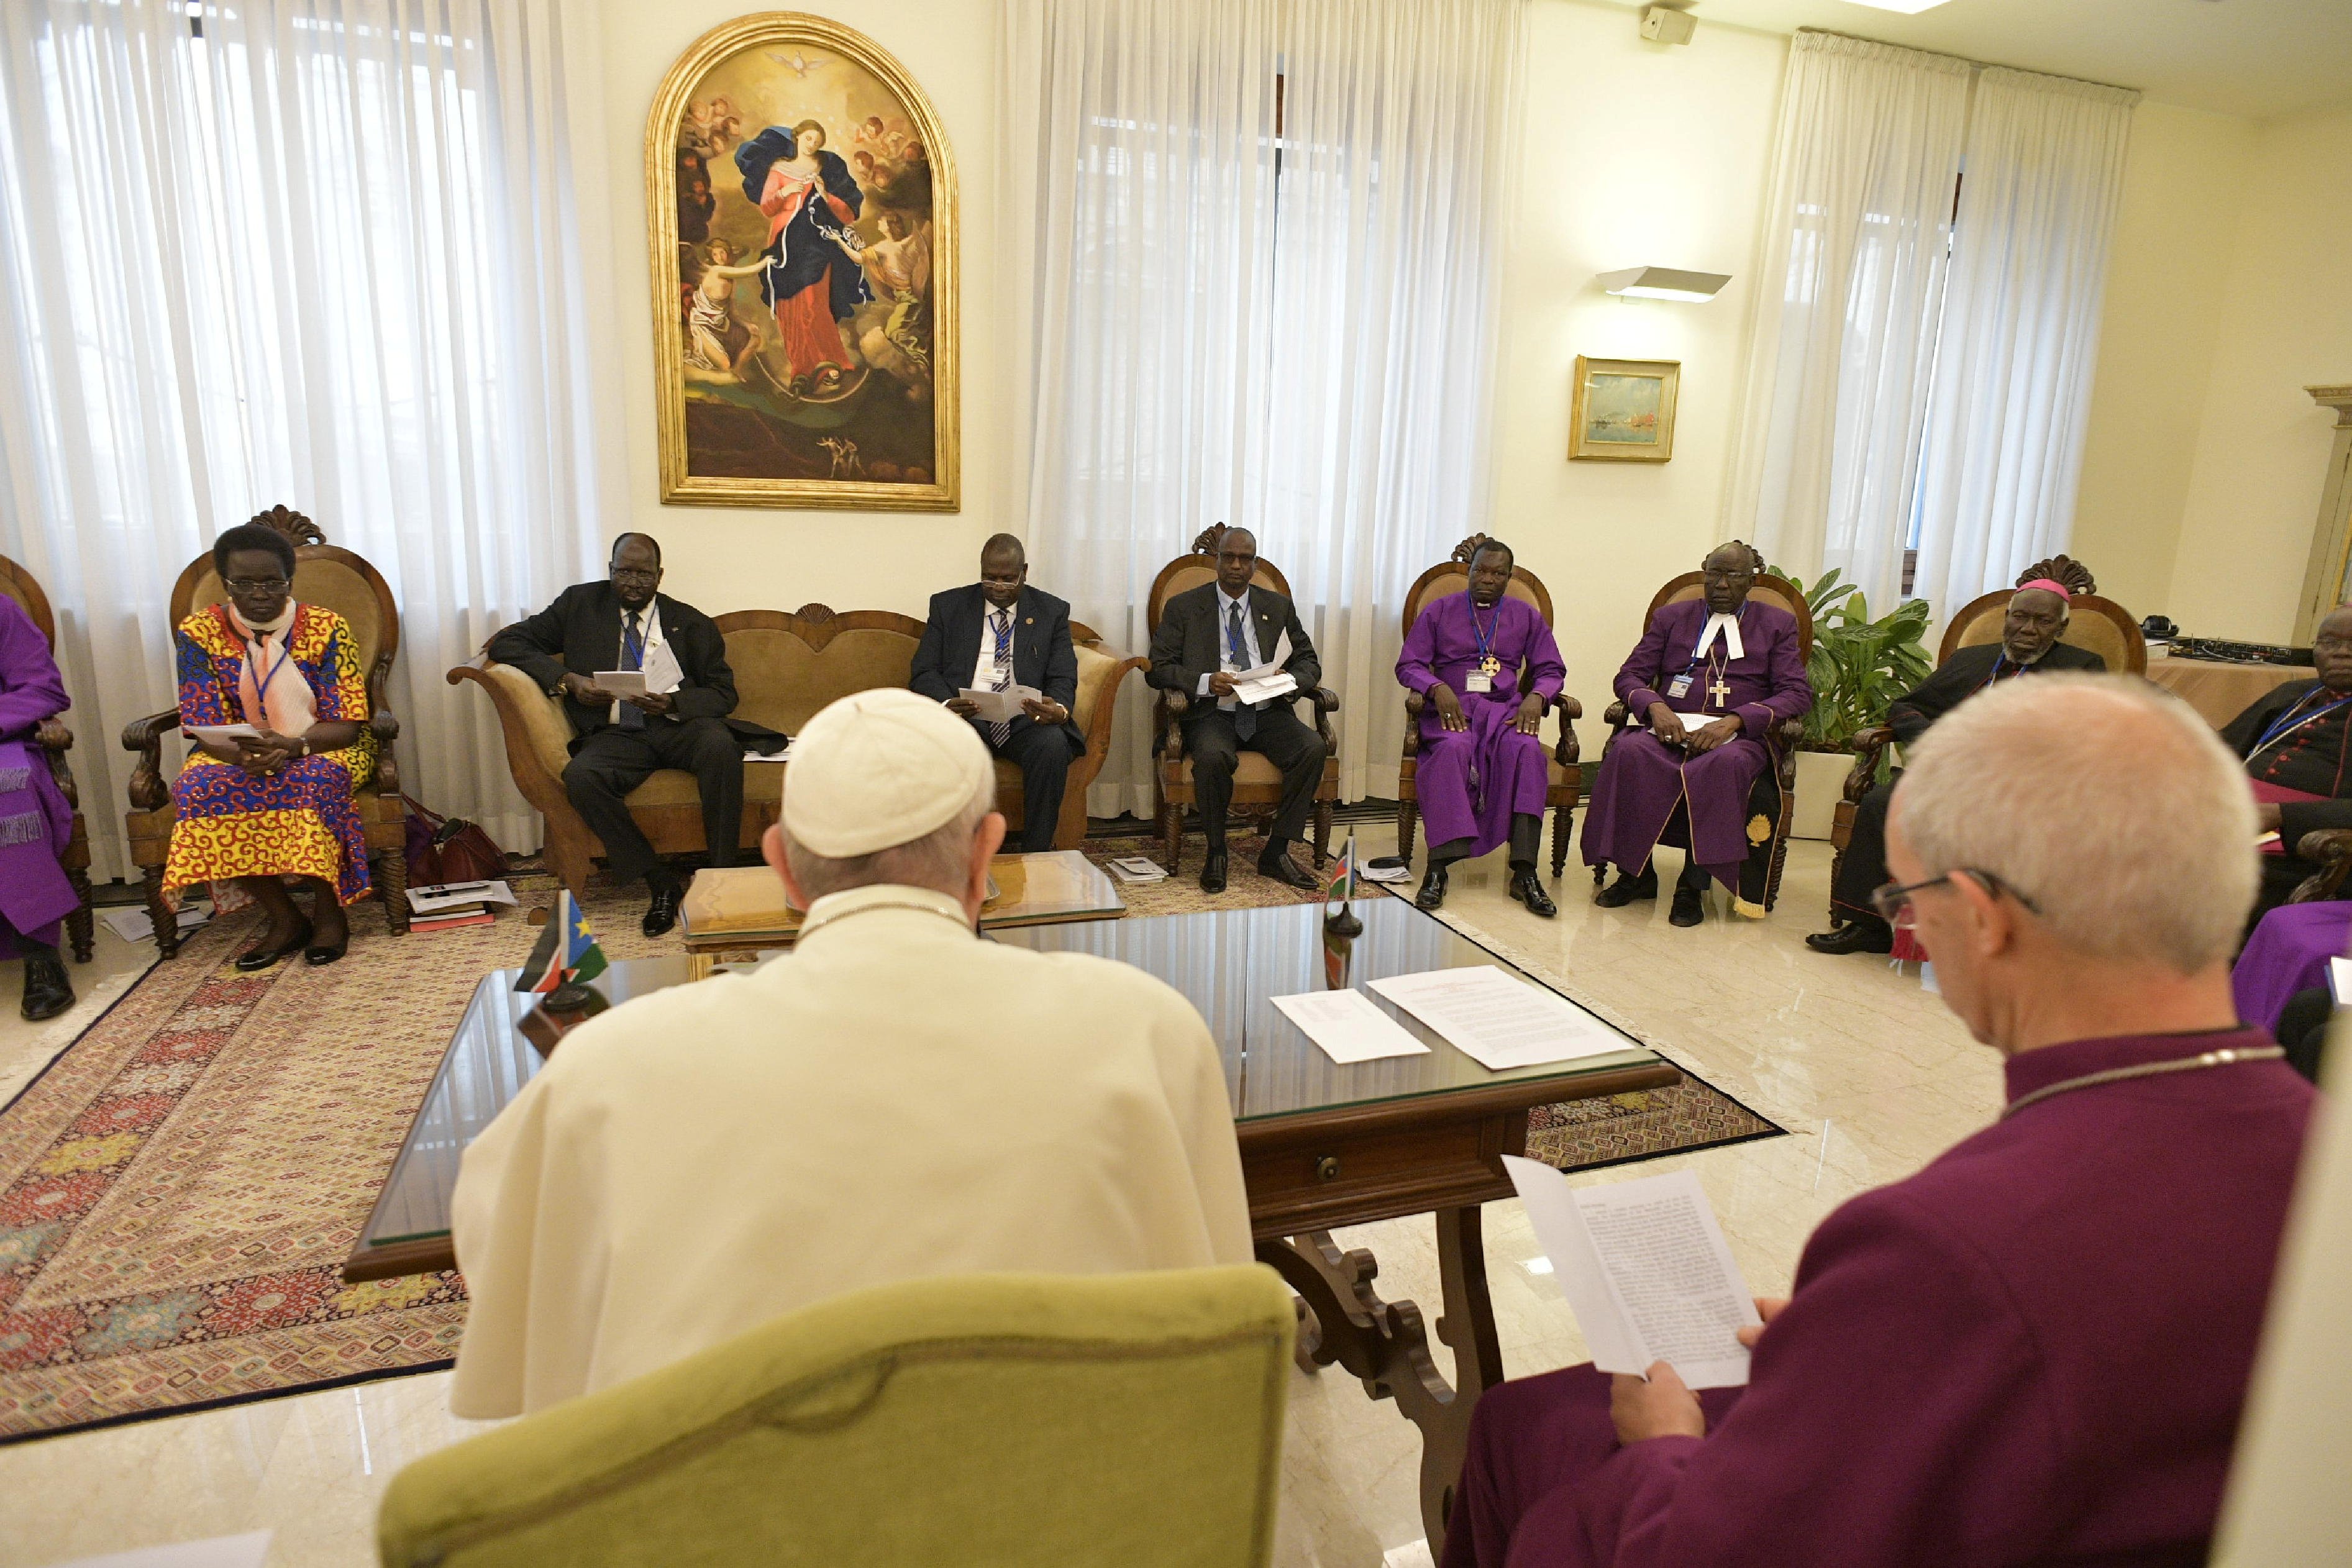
(1327, 1169)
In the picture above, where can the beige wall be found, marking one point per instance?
(2285, 322)
(729, 558)
(2184, 183)
(1634, 153)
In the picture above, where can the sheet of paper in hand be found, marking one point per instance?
(1267, 681)
(1000, 707)
(663, 673)
(220, 734)
(622, 682)
(1646, 1269)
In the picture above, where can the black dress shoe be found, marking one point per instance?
(1688, 910)
(1432, 886)
(1212, 872)
(1528, 888)
(47, 992)
(322, 955)
(1855, 936)
(661, 914)
(263, 957)
(1625, 890)
(1279, 869)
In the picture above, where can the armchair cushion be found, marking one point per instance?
(1097, 671)
(542, 717)
(783, 681)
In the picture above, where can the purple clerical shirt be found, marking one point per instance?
(2033, 1351)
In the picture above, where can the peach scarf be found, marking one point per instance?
(269, 683)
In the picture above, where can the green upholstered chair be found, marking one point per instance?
(1128, 1419)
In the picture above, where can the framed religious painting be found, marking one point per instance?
(1624, 410)
(803, 250)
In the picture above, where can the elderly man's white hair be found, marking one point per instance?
(940, 859)
(2110, 803)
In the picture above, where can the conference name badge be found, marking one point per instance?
(1475, 681)
(1678, 688)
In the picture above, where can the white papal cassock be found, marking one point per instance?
(896, 1099)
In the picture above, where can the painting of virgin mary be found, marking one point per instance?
(804, 324)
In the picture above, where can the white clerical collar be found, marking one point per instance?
(1723, 626)
(835, 907)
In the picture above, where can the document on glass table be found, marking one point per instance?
(1348, 1026)
(1496, 1021)
(1646, 1271)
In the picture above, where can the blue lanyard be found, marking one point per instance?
(2287, 722)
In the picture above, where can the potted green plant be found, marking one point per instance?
(1859, 667)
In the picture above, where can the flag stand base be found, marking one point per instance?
(559, 1013)
(1344, 923)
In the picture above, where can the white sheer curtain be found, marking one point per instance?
(2007, 414)
(318, 252)
(1858, 228)
(1293, 333)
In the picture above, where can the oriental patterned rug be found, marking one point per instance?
(179, 1187)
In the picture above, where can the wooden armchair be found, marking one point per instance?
(1257, 783)
(2099, 625)
(338, 580)
(55, 741)
(1565, 784)
(1780, 780)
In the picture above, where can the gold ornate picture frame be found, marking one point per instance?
(1624, 410)
(803, 241)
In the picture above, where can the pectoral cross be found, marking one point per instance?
(1721, 689)
(1490, 666)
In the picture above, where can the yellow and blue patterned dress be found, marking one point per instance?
(302, 821)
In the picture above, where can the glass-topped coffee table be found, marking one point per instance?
(1322, 1144)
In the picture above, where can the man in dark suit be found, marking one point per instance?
(2028, 645)
(623, 622)
(2296, 740)
(1207, 634)
(992, 635)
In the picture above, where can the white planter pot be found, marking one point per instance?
(1821, 784)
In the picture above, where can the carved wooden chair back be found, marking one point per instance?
(1768, 589)
(1197, 567)
(1452, 575)
(22, 586)
(2098, 626)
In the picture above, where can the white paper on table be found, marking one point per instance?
(221, 734)
(1348, 1026)
(1646, 1271)
(424, 901)
(1000, 707)
(1499, 1021)
(2339, 980)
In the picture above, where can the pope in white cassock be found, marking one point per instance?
(895, 1098)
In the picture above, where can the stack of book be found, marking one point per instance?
(1136, 868)
(447, 905)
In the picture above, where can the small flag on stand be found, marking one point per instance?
(1344, 875)
(566, 950)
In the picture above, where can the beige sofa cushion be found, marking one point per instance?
(781, 682)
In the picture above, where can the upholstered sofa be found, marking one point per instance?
(787, 667)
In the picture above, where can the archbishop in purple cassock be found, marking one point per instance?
(1482, 785)
(1696, 795)
(2033, 1353)
(35, 820)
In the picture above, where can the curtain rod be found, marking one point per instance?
(1977, 65)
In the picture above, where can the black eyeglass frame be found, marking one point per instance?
(1892, 900)
(256, 584)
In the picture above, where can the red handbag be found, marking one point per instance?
(448, 849)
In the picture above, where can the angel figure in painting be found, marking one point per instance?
(717, 344)
(894, 331)
(814, 282)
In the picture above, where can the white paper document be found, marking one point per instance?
(438, 895)
(2339, 980)
(1348, 1026)
(1000, 707)
(622, 682)
(221, 734)
(1267, 681)
(662, 671)
(1646, 1269)
(1499, 1021)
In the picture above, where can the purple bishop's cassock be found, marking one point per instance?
(1472, 782)
(2030, 1355)
(1642, 780)
(35, 820)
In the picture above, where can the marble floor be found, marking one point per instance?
(1865, 1068)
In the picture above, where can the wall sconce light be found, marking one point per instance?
(1664, 283)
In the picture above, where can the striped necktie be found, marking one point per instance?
(633, 657)
(1002, 733)
(1238, 654)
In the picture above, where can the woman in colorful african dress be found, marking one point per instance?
(254, 811)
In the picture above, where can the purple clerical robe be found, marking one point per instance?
(1644, 782)
(35, 820)
(1471, 782)
(2032, 1353)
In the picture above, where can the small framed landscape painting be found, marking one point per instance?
(1624, 410)
(804, 251)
